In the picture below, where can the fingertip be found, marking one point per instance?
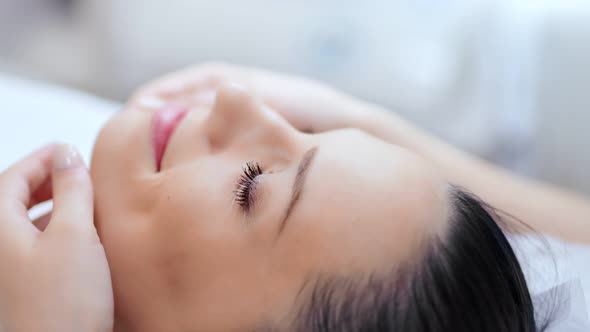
(72, 191)
(67, 157)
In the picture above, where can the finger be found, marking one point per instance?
(186, 82)
(19, 182)
(42, 222)
(72, 213)
(42, 194)
(203, 76)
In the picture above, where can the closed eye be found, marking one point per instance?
(245, 192)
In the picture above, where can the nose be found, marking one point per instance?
(239, 115)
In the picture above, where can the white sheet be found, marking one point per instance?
(548, 262)
(33, 114)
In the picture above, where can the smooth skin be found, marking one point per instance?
(178, 234)
(310, 105)
(54, 276)
(185, 257)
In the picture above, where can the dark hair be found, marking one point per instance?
(467, 279)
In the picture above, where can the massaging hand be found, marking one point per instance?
(307, 105)
(55, 280)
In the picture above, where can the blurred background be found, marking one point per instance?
(506, 79)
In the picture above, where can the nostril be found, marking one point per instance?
(307, 130)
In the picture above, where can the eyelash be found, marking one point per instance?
(245, 191)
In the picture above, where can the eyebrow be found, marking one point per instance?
(302, 171)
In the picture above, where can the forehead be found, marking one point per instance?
(370, 199)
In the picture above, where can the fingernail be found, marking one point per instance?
(66, 157)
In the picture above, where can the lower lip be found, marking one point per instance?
(164, 123)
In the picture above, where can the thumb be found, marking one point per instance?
(73, 210)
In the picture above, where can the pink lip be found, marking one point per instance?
(164, 123)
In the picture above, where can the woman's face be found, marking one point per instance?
(196, 243)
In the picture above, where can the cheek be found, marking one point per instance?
(195, 236)
(204, 255)
(124, 239)
(192, 248)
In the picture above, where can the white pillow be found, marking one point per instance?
(34, 114)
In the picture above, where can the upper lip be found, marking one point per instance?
(164, 122)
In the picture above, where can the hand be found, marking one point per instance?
(309, 106)
(55, 278)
